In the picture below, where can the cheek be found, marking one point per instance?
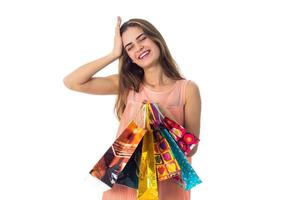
(130, 55)
(157, 51)
(154, 47)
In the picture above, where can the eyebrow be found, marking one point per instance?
(136, 39)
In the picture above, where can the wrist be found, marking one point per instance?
(114, 55)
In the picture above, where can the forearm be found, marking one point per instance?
(86, 71)
(193, 151)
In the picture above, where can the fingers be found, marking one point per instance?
(117, 29)
(119, 21)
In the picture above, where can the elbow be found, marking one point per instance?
(68, 83)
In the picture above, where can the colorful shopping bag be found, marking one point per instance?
(142, 156)
(129, 176)
(188, 175)
(184, 139)
(147, 183)
(166, 165)
(112, 163)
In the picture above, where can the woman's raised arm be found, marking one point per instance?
(82, 80)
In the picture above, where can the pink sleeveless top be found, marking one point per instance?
(171, 102)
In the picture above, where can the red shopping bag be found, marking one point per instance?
(184, 139)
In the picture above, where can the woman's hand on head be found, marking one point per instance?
(118, 46)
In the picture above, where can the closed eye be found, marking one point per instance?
(142, 38)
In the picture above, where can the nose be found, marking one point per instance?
(139, 47)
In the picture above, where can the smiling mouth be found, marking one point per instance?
(144, 54)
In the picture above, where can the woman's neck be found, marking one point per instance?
(155, 78)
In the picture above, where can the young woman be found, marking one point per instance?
(147, 72)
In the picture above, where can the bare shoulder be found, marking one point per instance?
(192, 91)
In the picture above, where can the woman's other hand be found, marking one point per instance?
(118, 46)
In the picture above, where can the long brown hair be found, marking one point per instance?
(130, 74)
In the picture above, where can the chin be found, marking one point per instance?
(149, 64)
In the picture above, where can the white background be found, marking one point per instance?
(244, 56)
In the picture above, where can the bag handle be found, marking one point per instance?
(157, 113)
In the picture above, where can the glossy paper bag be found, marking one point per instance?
(166, 165)
(147, 185)
(129, 175)
(184, 139)
(188, 175)
(117, 156)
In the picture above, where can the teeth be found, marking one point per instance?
(145, 53)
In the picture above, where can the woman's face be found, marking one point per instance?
(139, 47)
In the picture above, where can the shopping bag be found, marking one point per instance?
(184, 139)
(147, 182)
(166, 165)
(129, 176)
(112, 163)
(188, 177)
(143, 155)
